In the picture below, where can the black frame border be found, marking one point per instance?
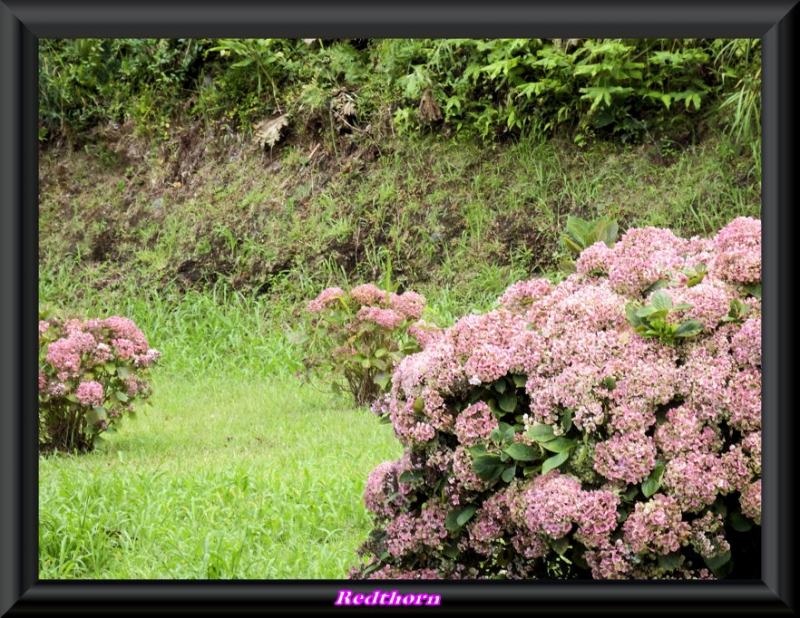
(22, 23)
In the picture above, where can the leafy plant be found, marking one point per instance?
(583, 234)
(651, 320)
(543, 440)
(354, 339)
(91, 373)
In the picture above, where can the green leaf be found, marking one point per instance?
(380, 352)
(739, 522)
(648, 311)
(409, 476)
(466, 514)
(121, 396)
(541, 432)
(553, 462)
(451, 550)
(522, 452)
(630, 313)
(630, 493)
(519, 380)
(571, 245)
(661, 283)
(382, 379)
(560, 545)
(566, 420)
(682, 306)
(95, 415)
(508, 432)
(609, 383)
(688, 328)
(477, 450)
(500, 386)
(124, 372)
(507, 402)
(559, 445)
(653, 482)
(670, 562)
(754, 289)
(715, 562)
(488, 467)
(509, 473)
(110, 368)
(419, 404)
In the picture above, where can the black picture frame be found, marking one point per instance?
(22, 22)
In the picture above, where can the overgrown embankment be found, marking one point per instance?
(177, 169)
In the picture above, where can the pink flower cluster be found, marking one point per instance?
(90, 364)
(682, 420)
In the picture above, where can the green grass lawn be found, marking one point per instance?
(220, 478)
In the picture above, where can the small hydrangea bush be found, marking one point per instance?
(358, 336)
(91, 373)
(607, 427)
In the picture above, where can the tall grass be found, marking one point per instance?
(222, 478)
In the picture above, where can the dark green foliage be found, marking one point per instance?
(624, 89)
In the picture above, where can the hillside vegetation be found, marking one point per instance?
(261, 171)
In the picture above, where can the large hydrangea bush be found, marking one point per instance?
(605, 427)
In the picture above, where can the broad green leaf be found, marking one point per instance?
(754, 289)
(382, 379)
(451, 550)
(609, 383)
(509, 473)
(506, 432)
(553, 462)
(507, 402)
(572, 245)
(121, 396)
(578, 228)
(682, 306)
(380, 352)
(648, 311)
(566, 420)
(409, 476)
(124, 372)
(630, 313)
(688, 328)
(466, 514)
(661, 283)
(715, 562)
(519, 380)
(541, 432)
(522, 452)
(652, 483)
(477, 450)
(488, 467)
(670, 562)
(500, 386)
(419, 404)
(559, 445)
(739, 522)
(560, 545)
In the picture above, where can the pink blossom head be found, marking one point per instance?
(90, 393)
(368, 294)
(329, 298)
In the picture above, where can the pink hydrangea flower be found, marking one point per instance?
(90, 393)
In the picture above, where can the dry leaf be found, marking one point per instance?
(428, 108)
(268, 132)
